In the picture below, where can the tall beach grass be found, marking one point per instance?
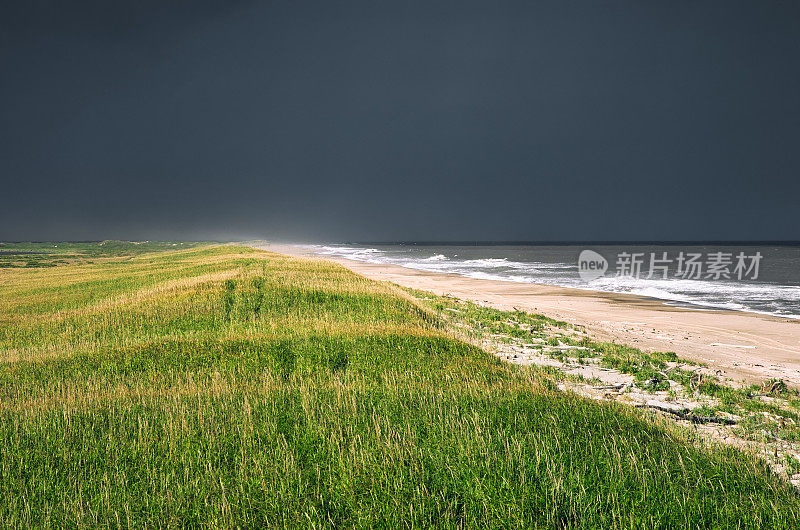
(224, 386)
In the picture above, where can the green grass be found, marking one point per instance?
(53, 254)
(652, 371)
(223, 386)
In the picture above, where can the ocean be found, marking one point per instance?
(759, 278)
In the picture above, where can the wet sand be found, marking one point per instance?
(742, 346)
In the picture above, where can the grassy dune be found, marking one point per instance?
(226, 386)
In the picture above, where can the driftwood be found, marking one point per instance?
(774, 386)
(689, 416)
(613, 387)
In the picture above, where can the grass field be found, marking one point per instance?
(225, 386)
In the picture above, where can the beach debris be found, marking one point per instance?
(620, 386)
(774, 386)
(684, 413)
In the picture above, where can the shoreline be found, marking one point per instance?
(738, 345)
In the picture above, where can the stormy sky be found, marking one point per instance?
(404, 120)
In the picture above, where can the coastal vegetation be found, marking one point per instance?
(223, 386)
(766, 414)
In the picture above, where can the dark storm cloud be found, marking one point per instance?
(400, 120)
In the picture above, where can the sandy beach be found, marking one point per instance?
(741, 346)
